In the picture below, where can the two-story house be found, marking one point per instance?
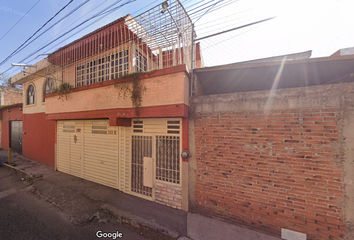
(112, 106)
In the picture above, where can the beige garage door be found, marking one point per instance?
(88, 149)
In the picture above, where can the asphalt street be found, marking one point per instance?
(23, 215)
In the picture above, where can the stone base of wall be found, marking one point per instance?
(203, 228)
(169, 195)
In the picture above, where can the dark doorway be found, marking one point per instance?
(16, 136)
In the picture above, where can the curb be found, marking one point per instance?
(19, 171)
(146, 227)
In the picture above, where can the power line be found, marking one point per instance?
(243, 26)
(92, 17)
(48, 42)
(20, 20)
(49, 28)
(223, 4)
(55, 36)
(191, 10)
(145, 6)
(14, 52)
(195, 4)
(223, 23)
(100, 13)
(228, 16)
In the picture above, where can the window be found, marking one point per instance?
(48, 87)
(103, 69)
(168, 159)
(140, 62)
(30, 95)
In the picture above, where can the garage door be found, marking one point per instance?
(88, 149)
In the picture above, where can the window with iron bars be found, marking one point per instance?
(168, 159)
(141, 65)
(103, 69)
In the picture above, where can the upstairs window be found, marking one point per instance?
(103, 69)
(30, 95)
(48, 87)
(140, 62)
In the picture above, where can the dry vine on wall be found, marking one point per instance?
(135, 90)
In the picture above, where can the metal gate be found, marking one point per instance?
(141, 147)
(16, 136)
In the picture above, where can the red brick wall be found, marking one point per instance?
(268, 172)
(10, 95)
(12, 98)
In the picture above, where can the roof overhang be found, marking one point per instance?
(256, 76)
(30, 73)
(11, 106)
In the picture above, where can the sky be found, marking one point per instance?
(323, 26)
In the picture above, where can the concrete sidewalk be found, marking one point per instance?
(83, 201)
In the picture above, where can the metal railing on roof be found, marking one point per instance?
(158, 38)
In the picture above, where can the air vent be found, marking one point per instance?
(173, 127)
(99, 128)
(69, 127)
(138, 126)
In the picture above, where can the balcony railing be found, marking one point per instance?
(156, 39)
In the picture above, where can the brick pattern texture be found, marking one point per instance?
(10, 96)
(267, 172)
(169, 195)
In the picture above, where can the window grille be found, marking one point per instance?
(141, 62)
(69, 127)
(103, 69)
(163, 40)
(30, 95)
(168, 159)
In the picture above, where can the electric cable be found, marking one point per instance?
(19, 20)
(85, 21)
(7, 58)
(67, 15)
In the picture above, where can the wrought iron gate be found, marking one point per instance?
(16, 136)
(141, 147)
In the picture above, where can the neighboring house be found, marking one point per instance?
(38, 134)
(343, 52)
(272, 146)
(9, 96)
(124, 122)
(11, 127)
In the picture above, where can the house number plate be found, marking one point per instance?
(114, 132)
